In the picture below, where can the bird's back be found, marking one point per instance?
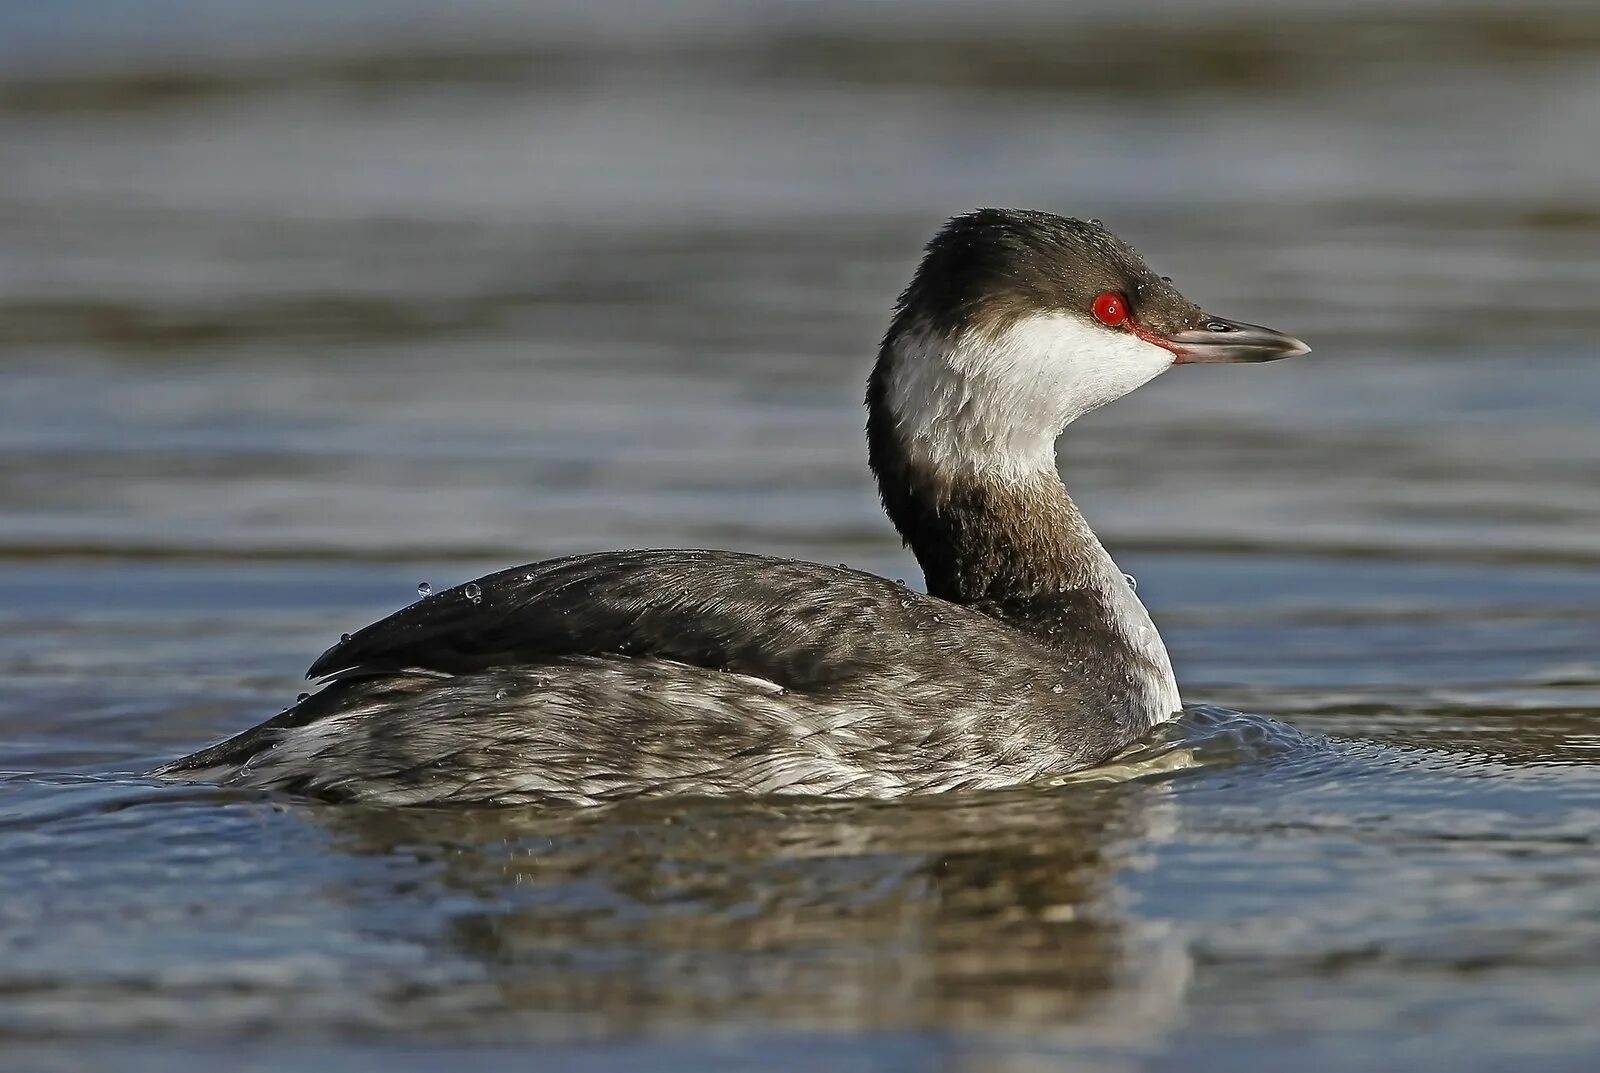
(627, 673)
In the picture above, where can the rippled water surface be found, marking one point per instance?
(303, 303)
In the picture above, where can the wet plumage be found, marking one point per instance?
(613, 674)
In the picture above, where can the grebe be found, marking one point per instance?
(630, 673)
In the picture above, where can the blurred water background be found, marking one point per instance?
(304, 302)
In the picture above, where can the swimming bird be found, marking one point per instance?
(617, 674)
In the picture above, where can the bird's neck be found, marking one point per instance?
(961, 431)
(988, 538)
(1009, 541)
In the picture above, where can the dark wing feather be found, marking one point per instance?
(799, 624)
(850, 640)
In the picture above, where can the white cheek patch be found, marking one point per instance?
(998, 403)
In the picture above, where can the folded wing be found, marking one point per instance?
(800, 625)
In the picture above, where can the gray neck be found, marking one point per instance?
(1017, 548)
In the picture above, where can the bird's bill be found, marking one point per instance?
(1219, 340)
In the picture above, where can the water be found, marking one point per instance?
(301, 303)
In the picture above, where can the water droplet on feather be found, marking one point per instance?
(472, 592)
(424, 589)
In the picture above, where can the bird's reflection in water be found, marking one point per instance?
(992, 913)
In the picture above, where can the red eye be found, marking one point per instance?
(1110, 308)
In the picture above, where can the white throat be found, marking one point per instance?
(995, 404)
